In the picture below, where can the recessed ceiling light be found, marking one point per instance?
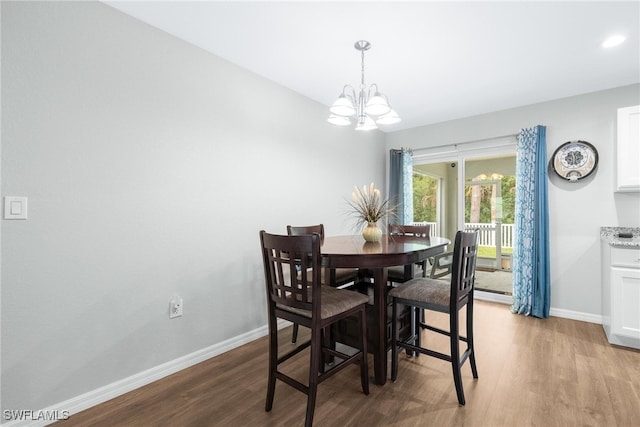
(613, 41)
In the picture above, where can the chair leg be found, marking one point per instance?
(314, 369)
(364, 363)
(328, 341)
(325, 339)
(394, 340)
(418, 318)
(412, 323)
(415, 328)
(273, 366)
(294, 335)
(311, 406)
(472, 351)
(455, 355)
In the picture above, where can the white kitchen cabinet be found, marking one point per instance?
(621, 295)
(628, 149)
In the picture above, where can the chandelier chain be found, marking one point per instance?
(362, 86)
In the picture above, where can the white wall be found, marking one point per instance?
(577, 210)
(150, 166)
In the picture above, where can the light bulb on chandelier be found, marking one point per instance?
(370, 107)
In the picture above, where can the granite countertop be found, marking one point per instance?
(610, 235)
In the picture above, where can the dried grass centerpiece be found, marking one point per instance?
(368, 208)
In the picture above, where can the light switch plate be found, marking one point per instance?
(15, 207)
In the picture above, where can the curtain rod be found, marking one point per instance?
(455, 145)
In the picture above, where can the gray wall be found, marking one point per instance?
(577, 211)
(150, 166)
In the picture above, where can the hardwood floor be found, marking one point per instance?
(532, 372)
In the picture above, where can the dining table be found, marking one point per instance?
(375, 257)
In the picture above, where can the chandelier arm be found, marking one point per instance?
(373, 85)
(352, 95)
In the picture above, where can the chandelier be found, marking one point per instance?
(370, 107)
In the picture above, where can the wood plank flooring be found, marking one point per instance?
(532, 372)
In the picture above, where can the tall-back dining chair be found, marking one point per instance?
(337, 276)
(403, 273)
(300, 298)
(450, 298)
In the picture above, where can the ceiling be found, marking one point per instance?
(435, 61)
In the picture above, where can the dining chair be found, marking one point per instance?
(403, 273)
(300, 298)
(450, 298)
(338, 277)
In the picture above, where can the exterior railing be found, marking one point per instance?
(486, 232)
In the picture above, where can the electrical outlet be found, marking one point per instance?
(175, 307)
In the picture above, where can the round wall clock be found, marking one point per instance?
(575, 160)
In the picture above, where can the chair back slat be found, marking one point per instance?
(463, 270)
(409, 230)
(306, 229)
(292, 268)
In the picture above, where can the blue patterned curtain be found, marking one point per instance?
(401, 184)
(531, 276)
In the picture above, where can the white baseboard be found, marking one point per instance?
(118, 388)
(555, 312)
(576, 315)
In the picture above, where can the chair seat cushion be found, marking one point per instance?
(428, 291)
(333, 302)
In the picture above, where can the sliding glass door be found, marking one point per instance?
(471, 191)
